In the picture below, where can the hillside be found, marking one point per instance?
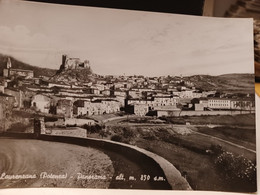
(73, 76)
(236, 83)
(21, 65)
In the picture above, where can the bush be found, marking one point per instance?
(103, 133)
(216, 149)
(236, 167)
(150, 137)
(92, 128)
(117, 138)
(87, 127)
(128, 133)
(18, 127)
(74, 125)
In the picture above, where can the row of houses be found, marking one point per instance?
(107, 94)
(72, 102)
(141, 107)
(73, 107)
(166, 104)
(95, 107)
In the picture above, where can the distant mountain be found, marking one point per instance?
(229, 83)
(21, 65)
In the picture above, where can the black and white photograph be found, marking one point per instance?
(103, 98)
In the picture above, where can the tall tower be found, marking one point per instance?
(64, 59)
(6, 71)
(86, 64)
(8, 64)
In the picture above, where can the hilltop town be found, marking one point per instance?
(76, 92)
(196, 122)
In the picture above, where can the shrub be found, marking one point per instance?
(151, 137)
(216, 149)
(117, 138)
(95, 128)
(103, 133)
(87, 127)
(71, 125)
(128, 133)
(18, 127)
(92, 128)
(236, 167)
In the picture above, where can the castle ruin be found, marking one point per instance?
(74, 63)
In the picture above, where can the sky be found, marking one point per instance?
(118, 42)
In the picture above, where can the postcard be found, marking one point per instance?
(98, 98)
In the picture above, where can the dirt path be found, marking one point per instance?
(116, 123)
(225, 141)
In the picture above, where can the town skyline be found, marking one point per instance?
(125, 42)
(123, 74)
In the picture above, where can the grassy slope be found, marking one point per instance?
(188, 153)
(199, 169)
(238, 135)
(196, 167)
(239, 129)
(232, 120)
(238, 83)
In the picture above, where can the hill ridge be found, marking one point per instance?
(17, 64)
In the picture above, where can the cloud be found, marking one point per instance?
(32, 48)
(117, 41)
(21, 37)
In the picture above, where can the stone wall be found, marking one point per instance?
(71, 132)
(78, 121)
(154, 163)
(39, 126)
(161, 113)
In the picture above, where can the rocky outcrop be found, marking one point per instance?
(72, 70)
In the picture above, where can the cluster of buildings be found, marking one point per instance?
(216, 103)
(137, 95)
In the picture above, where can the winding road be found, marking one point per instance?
(29, 157)
(45, 160)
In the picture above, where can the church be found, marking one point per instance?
(9, 71)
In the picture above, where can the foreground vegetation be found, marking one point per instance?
(207, 164)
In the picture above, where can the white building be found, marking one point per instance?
(96, 107)
(219, 103)
(242, 104)
(41, 103)
(186, 94)
(141, 109)
(165, 100)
